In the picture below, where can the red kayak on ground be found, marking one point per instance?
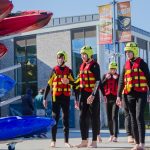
(5, 8)
(24, 21)
(3, 50)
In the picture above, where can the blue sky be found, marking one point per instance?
(140, 9)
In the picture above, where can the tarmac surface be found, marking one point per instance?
(75, 139)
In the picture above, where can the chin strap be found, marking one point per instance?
(62, 64)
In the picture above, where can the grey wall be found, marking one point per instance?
(47, 48)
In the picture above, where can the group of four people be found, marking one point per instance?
(133, 84)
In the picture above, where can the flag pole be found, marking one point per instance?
(114, 29)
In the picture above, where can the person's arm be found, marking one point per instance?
(95, 69)
(74, 85)
(104, 79)
(46, 92)
(50, 81)
(145, 69)
(121, 83)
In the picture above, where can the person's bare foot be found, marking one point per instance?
(142, 146)
(114, 139)
(84, 143)
(53, 144)
(110, 139)
(93, 144)
(99, 139)
(68, 145)
(130, 139)
(136, 147)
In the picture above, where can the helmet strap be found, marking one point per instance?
(61, 65)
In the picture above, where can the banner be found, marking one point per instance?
(105, 31)
(124, 22)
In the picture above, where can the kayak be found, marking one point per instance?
(16, 126)
(6, 84)
(3, 50)
(24, 21)
(5, 8)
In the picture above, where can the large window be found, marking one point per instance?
(143, 49)
(81, 37)
(25, 53)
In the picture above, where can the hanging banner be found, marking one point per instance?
(105, 30)
(124, 22)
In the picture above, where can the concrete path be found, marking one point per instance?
(44, 144)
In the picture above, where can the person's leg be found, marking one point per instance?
(55, 115)
(84, 120)
(95, 115)
(65, 103)
(109, 117)
(140, 106)
(132, 109)
(115, 110)
(127, 120)
(99, 139)
(132, 98)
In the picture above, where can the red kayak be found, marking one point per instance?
(3, 49)
(5, 8)
(24, 21)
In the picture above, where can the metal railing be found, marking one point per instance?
(85, 18)
(72, 20)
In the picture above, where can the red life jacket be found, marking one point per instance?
(87, 78)
(134, 78)
(111, 86)
(58, 87)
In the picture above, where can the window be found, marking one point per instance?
(143, 52)
(81, 37)
(25, 53)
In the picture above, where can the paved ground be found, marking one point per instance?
(44, 144)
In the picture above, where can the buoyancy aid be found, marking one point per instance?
(134, 77)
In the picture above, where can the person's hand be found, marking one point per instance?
(119, 102)
(76, 105)
(45, 103)
(90, 99)
(108, 76)
(105, 99)
(115, 76)
(64, 80)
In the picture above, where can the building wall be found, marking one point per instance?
(47, 47)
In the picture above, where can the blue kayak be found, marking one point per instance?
(6, 84)
(15, 127)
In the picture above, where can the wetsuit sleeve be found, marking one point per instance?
(104, 79)
(121, 83)
(145, 69)
(46, 92)
(96, 71)
(74, 85)
(49, 85)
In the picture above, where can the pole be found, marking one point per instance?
(10, 68)
(6, 102)
(114, 29)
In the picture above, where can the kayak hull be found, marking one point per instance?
(15, 127)
(24, 21)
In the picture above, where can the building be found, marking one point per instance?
(36, 50)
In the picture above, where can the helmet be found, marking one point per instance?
(113, 65)
(133, 47)
(62, 53)
(87, 50)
